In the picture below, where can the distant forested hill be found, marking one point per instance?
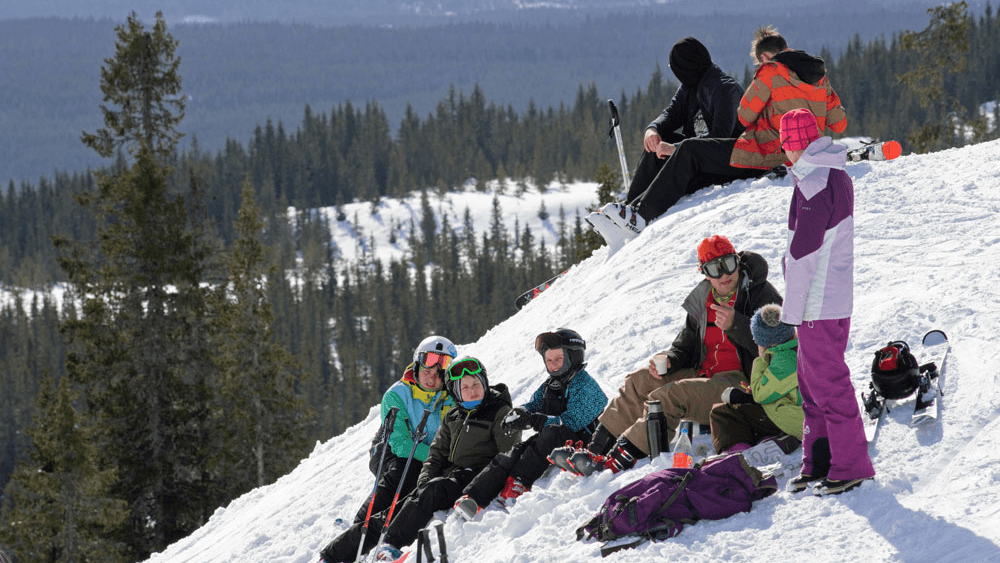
(239, 75)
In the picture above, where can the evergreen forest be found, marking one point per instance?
(180, 328)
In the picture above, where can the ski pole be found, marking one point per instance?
(616, 132)
(442, 549)
(417, 435)
(387, 424)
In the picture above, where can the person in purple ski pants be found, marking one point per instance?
(819, 285)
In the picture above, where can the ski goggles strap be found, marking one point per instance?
(431, 359)
(460, 369)
(721, 266)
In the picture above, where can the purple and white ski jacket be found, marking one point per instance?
(819, 263)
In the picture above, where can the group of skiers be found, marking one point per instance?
(762, 373)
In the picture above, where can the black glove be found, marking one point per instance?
(521, 419)
(736, 396)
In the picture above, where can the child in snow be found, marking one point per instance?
(564, 408)
(471, 435)
(819, 278)
(769, 416)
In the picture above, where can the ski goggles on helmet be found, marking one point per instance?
(548, 341)
(721, 266)
(431, 359)
(562, 338)
(468, 366)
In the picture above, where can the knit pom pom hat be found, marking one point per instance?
(767, 328)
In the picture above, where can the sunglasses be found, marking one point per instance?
(721, 266)
(431, 359)
(468, 366)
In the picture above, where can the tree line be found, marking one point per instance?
(185, 275)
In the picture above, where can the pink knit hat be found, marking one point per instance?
(798, 129)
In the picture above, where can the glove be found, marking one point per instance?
(521, 419)
(736, 396)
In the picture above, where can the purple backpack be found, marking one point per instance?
(660, 504)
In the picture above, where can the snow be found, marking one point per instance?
(927, 249)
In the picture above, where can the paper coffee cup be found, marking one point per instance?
(660, 361)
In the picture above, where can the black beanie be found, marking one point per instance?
(689, 60)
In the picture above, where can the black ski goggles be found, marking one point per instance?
(549, 340)
(460, 369)
(721, 266)
(431, 359)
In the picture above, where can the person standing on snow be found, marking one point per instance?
(420, 388)
(471, 435)
(713, 351)
(564, 408)
(785, 80)
(819, 279)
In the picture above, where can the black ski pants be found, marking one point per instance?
(526, 462)
(696, 163)
(392, 473)
(413, 514)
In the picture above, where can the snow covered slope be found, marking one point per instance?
(927, 256)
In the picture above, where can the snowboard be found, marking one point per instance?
(888, 150)
(532, 293)
(936, 347)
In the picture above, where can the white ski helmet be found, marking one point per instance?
(434, 345)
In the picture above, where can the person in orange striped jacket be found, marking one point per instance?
(785, 80)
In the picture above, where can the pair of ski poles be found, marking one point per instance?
(418, 435)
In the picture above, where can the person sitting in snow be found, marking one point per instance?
(420, 388)
(764, 420)
(703, 106)
(713, 351)
(564, 408)
(785, 79)
(819, 274)
(470, 436)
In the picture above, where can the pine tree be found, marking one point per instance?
(942, 47)
(142, 81)
(265, 419)
(58, 507)
(140, 345)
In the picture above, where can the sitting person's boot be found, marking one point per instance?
(560, 456)
(622, 456)
(467, 508)
(511, 490)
